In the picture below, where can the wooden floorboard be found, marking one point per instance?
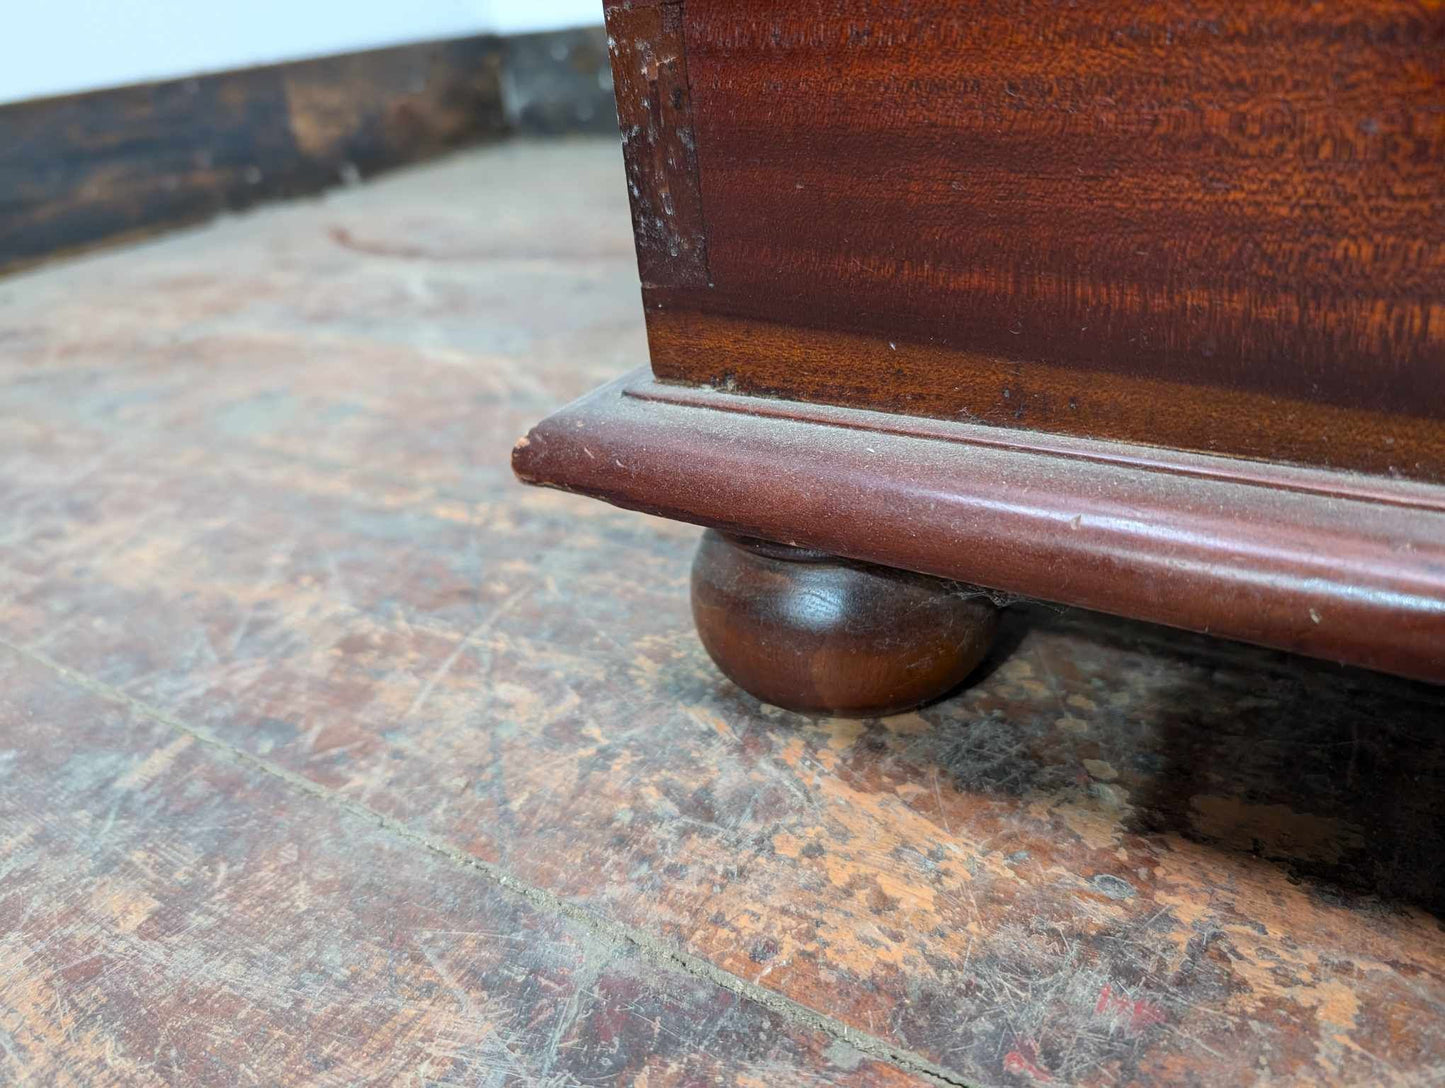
(174, 915)
(261, 539)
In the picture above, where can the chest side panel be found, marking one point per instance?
(1194, 224)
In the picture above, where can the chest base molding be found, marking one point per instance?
(1341, 566)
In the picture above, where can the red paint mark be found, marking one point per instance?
(1015, 1062)
(1146, 1014)
(1103, 1002)
(1141, 1013)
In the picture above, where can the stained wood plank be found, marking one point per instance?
(1125, 856)
(172, 917)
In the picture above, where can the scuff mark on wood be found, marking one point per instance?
(654, 112)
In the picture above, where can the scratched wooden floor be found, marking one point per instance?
(329, 755)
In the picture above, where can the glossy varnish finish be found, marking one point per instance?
(808, 631)
(1201, 225)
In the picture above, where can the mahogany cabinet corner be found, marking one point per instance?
(1133, 307)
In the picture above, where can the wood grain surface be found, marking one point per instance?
(649, 73)
(175, 915)
(308, 708)
(81, 170)
(1186, 223)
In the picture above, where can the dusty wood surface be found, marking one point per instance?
(332, 755)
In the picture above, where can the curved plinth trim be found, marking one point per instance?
(1336, 565)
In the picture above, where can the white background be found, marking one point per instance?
(52, 47)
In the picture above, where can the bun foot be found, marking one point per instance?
(822, 635)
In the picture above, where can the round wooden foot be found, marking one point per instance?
(822, 635)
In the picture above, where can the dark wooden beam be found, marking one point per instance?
(86, 169)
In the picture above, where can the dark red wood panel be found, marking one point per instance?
(654, 111)
(842, 368)
(1224, 198)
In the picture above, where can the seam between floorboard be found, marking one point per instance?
(652, 949)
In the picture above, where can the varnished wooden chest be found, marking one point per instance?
(1133, 306)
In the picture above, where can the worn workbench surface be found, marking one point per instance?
(330, 755)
